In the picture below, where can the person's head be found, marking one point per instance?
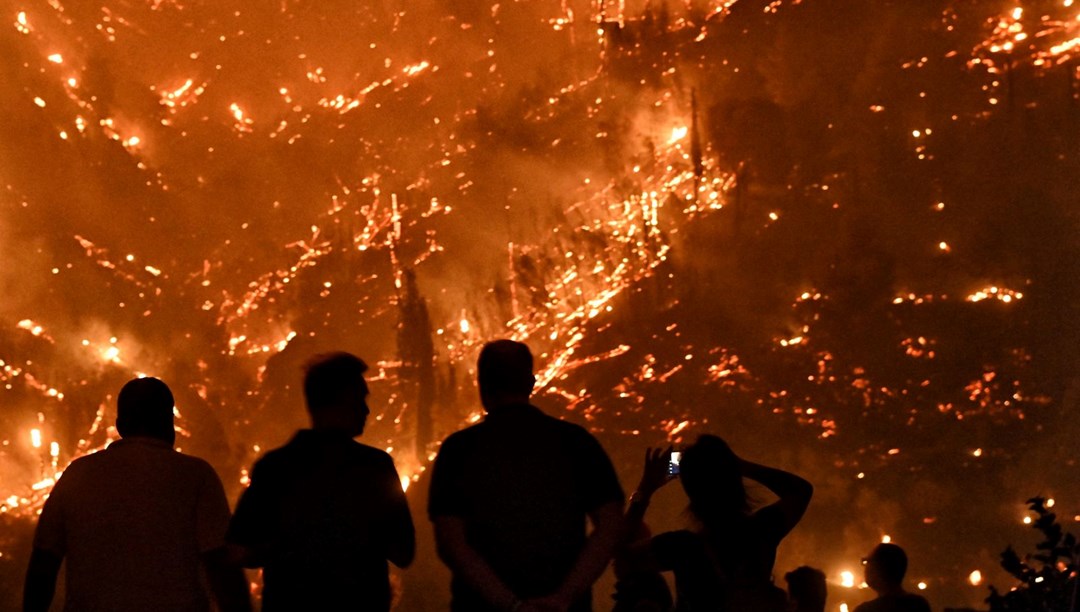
(885, 567)
(336, 393)
(711, 476)
(806, 589)
(144, 408)
(505, 374)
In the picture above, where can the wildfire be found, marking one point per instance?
(403, 192)
(995, 293)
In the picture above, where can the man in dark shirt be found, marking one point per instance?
(324, 513)
(510, 497)
(884, 570)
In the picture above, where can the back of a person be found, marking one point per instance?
(528, 481)
(329, 502)
(727, 566)
(718, 574)
(701, 582)
(884, 570)
(904, 602)
(129, 517)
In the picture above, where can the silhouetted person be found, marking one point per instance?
(638, 590)
(884, 572)
(807, 590)
(324, 513)
(727, 563)
(134, 522)
(510, 496)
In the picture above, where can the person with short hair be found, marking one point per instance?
(884, 571)
(807, 590)
(136, 523)
(324, 514)
(510, 497)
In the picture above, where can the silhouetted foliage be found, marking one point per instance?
(1048, 578)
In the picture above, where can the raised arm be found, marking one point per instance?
(654, 476)
(40, 584)
(794, 493)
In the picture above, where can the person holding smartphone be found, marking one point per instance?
(726, 561)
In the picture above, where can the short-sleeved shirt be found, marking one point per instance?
(523, 483)
(130, 522)
(906, 602)
(319, 517)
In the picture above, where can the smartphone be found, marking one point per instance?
(673, 463)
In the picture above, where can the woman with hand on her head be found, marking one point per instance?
(726, 561)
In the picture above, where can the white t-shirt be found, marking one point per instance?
(130, 523)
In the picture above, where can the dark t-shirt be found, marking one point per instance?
(318, 517)
(907, 602)
(523, 483)
(731, 570)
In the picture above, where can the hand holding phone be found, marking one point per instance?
(673, 463)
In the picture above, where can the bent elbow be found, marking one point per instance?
(403, 558)
(805, 491)
(443, 549)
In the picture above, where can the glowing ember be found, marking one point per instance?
(975, 578)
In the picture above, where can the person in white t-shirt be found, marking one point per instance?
(137, 523)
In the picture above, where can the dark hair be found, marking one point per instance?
(806, 586)
(144, 407)
(711, 476)
(890, 561)
(505, 366)
(329, 376)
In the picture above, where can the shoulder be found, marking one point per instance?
(369, 454)
(197, 467)
(191, 462)
(681, 537)
(917, 603)
(463, 438)
(80, 465)
(585, 445)
(90, 467)
(571, 431)
(283, 455)
(78, 471)
(682, 542)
